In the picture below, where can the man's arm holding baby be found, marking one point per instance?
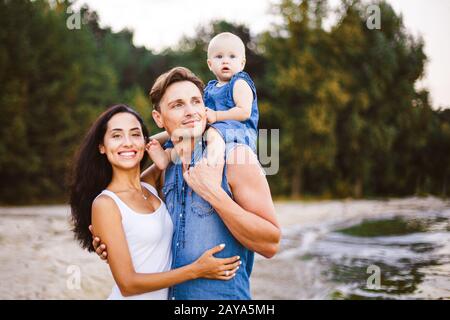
(251, 215)
(243, 98)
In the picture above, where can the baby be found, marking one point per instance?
(230, 100)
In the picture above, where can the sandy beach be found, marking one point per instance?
(39, 259)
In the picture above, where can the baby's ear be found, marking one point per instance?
(208, 61)
(243, 63)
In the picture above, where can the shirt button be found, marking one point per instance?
(178, 244)
(173, 298)
(181, 215)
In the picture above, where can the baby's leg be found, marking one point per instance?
(215, 148)
(159, 156)
(173, 155)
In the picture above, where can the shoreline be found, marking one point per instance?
(39, 258)
(287, 210)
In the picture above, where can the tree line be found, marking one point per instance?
(352, 122)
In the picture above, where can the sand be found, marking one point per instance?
(39, 259)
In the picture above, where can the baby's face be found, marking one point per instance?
(226, 58)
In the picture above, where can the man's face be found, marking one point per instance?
(182, 111)
(226, 58)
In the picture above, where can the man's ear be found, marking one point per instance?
(101, 148)
(158, 119)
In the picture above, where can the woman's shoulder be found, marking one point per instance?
(105, 215)
(103, 203)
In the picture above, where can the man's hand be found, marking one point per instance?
(205, 180)
(100, 248)
(211, 115)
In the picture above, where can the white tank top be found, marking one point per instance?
(149, 238)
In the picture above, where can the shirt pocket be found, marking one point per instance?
(201, 207)
(169, 196)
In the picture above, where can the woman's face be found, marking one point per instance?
(123, 143)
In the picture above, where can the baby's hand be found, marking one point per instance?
(157, 154)
(211, 115)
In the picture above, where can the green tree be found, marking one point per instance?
(305, 92)
(54, 84)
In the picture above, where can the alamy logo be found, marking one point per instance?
(73, 281)
(374, 280)
(374, 19)
(74, 20)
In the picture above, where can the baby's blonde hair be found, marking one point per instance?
(223, 36)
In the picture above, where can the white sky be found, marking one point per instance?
(161, 23)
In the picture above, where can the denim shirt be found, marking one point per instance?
(221, 99)
(197, 228)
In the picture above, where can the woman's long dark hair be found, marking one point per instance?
(92, 172)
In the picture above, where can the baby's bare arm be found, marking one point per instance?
(243, 99)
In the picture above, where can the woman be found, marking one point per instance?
(127, 213)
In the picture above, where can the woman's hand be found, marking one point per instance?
(205, 180)
(210, 267)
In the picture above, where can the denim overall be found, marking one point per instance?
(221, 99)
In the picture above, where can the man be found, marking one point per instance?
(208, 206)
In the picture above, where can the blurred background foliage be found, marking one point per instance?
(352, 123)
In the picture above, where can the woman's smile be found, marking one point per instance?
(127, 154)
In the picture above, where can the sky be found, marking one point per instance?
(158, 24)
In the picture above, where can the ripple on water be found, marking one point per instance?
(411, 252)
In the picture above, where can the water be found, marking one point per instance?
(327, 249)
(409, 248)
(411, 254)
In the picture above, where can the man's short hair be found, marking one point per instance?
(176, 74)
